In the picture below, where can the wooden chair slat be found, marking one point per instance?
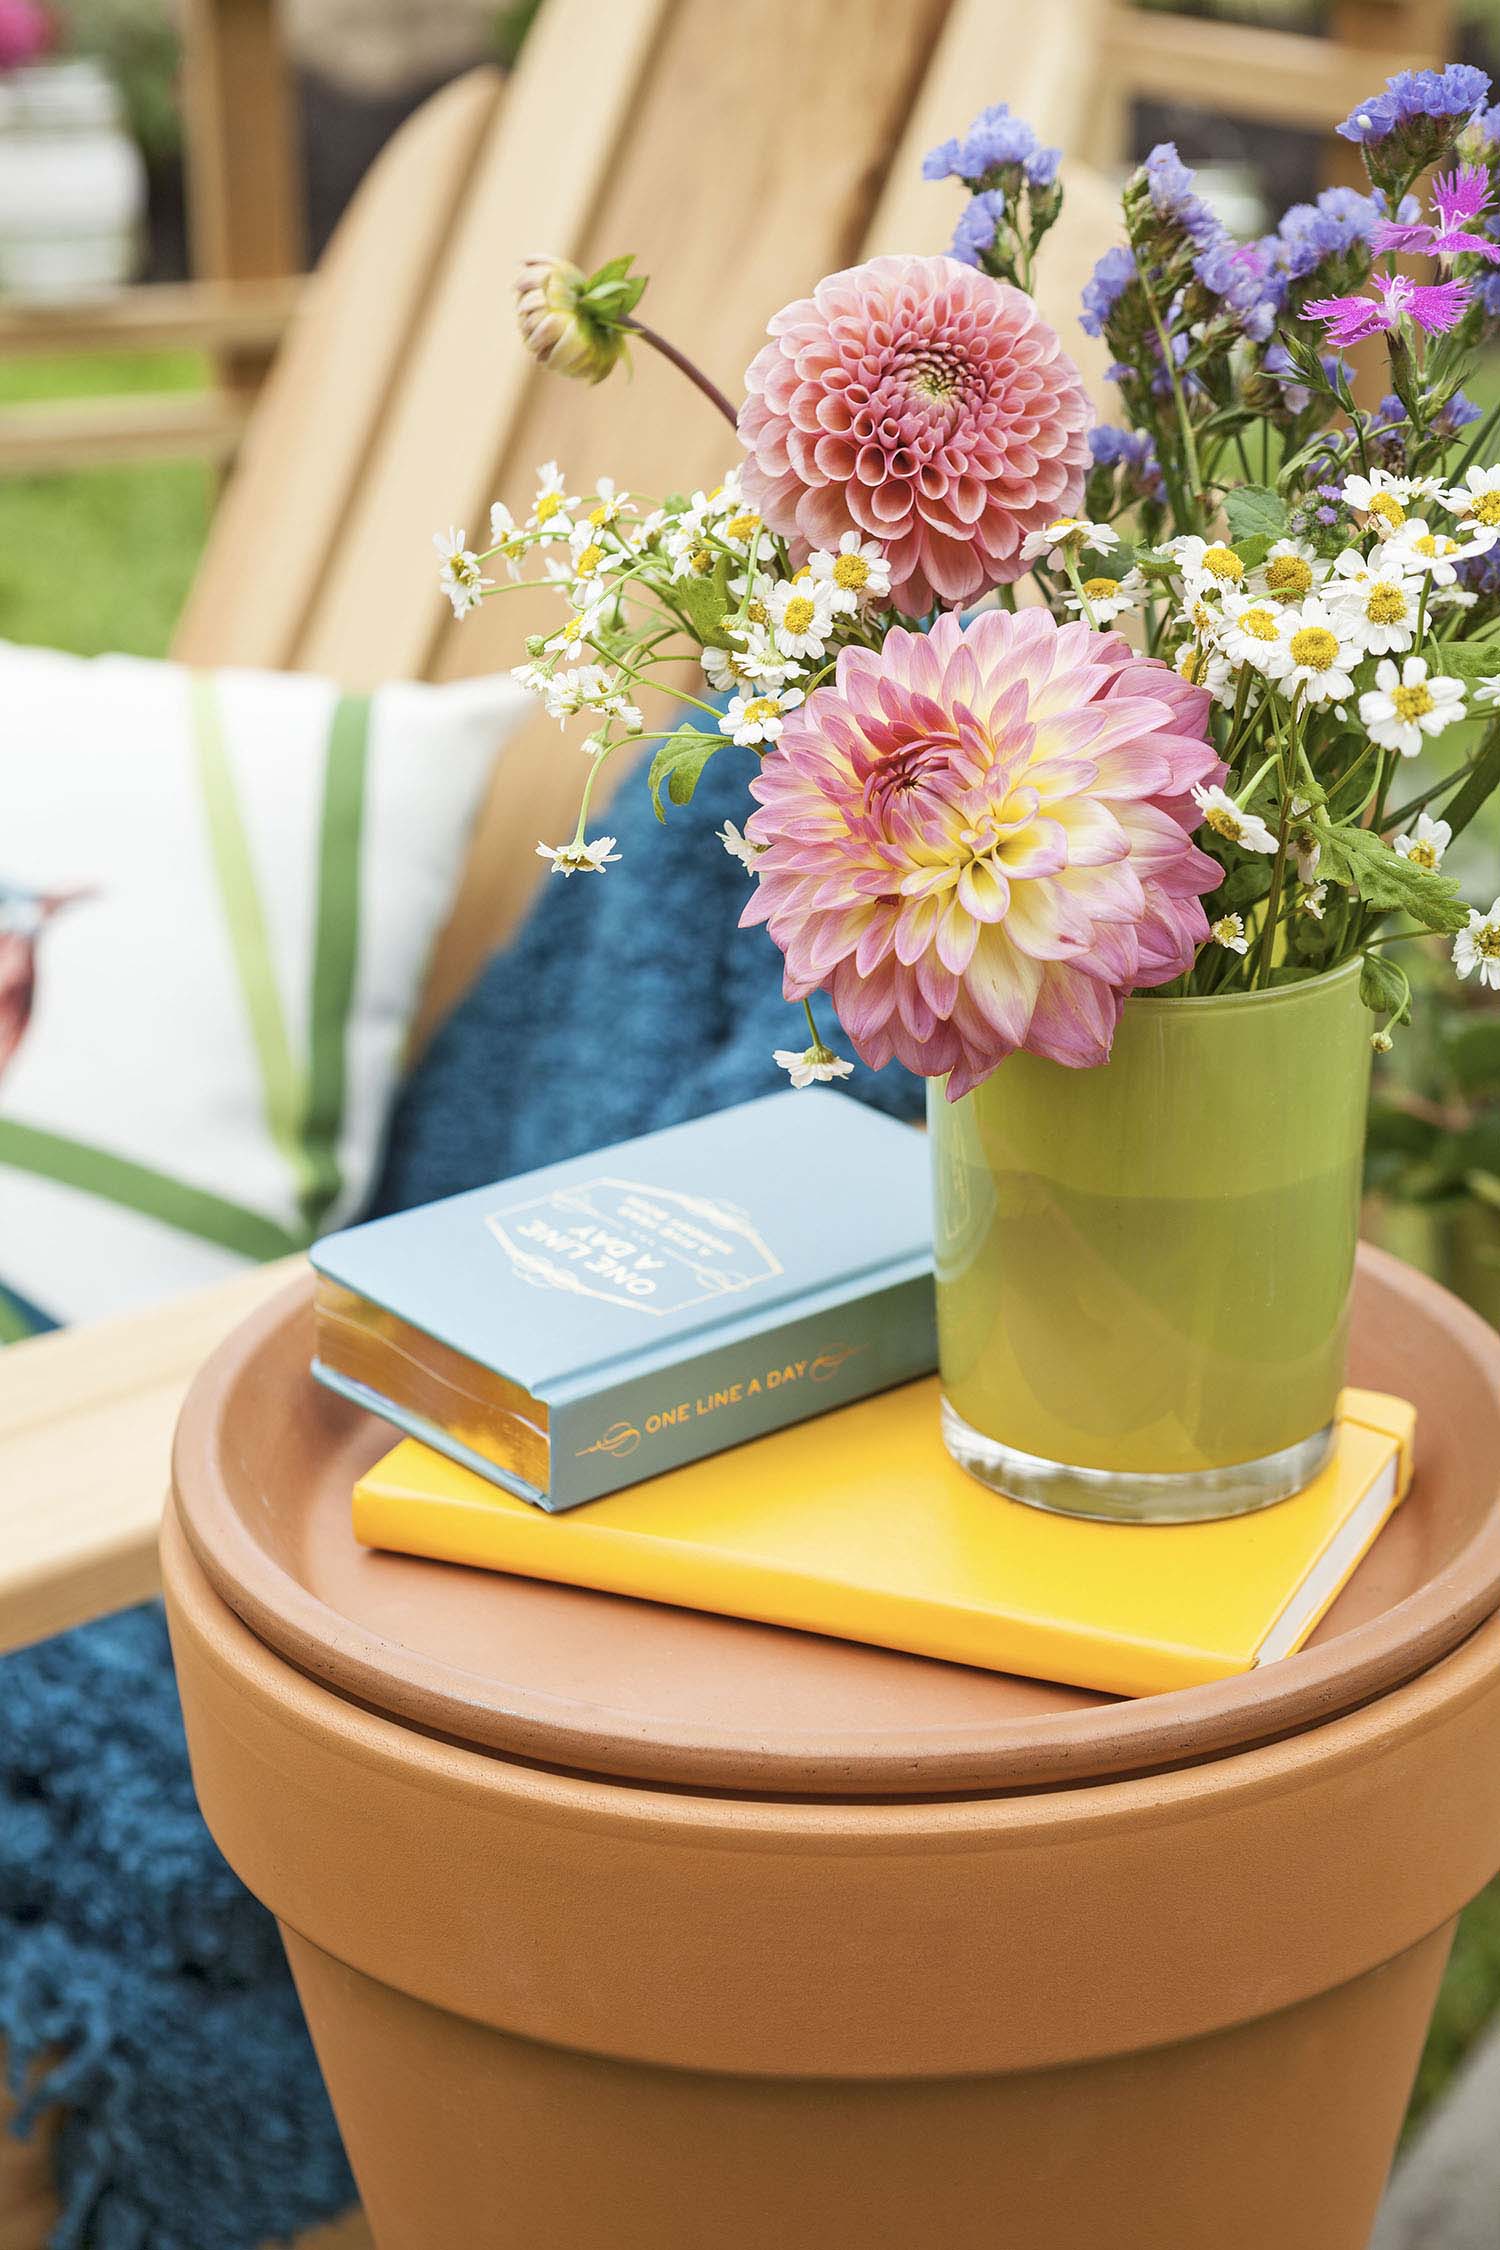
(726, 243)
(282, 516)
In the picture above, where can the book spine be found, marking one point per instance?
(807, 1364)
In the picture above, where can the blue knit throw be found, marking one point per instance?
(143, 1992)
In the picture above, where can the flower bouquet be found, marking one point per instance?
(1099, 771)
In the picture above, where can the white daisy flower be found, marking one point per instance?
(502, 523)
(1436, 553)
(801, 616)
(1381, 600)
(1229, 931)
(1380, 496)
(689, 552)
(1105, 599)
(551, 510)
(1290, 571)
(857, 573)
(1426, 842)
(460, 576)
(1068, 535)
(1206, 667)
(1311, 900)
(580, 859)
(758, 718)
(1478, 947)
(1205, 563)
(1477, 499)
(814, 1063)
(1487, 691)
(1226, 819)
(741, 528)
(1255, 631)
(1404, 707)
(739, 846)
(1324, 653)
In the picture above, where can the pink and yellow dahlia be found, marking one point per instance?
(925, 404)
(980, 840)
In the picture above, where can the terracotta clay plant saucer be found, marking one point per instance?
(592, 1683)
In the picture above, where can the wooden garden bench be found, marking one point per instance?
(741, 153)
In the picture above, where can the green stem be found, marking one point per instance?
(1184, 419)
(684, 366)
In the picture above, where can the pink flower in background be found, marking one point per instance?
(1458, 198)
(1434, 306)
(980, 840)
(25, 32)
(925, 405)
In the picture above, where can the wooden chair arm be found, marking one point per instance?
(86, 1421)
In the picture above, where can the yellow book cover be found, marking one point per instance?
(859, 1525)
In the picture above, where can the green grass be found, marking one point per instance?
(100, 559)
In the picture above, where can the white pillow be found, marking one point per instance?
(218, 895)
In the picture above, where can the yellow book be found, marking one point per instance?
(859, 1525)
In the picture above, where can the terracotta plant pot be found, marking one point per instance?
(784, 1941)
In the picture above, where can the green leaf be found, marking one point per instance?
(679, 762)
(1465, 660)
(1388, 882)
(1384, 989)
(1253, 510)
(1246, 883)
(1254, 550)
(706, 601)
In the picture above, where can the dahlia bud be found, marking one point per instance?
(572, 322)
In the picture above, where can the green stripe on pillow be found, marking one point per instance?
(155, 1195)
(336, 951)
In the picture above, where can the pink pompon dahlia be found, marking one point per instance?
(926, 405)
(980, 840)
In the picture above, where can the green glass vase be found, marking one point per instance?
(1144, 1270)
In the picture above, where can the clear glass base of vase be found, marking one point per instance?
(1112, 1496)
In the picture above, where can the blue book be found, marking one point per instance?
(599, 1321)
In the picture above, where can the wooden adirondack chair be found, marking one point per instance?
(741, 153)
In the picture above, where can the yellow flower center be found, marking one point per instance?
(588, 561)
(1315, 648)
(1223, 562)
(742, 526)
(603, 514)
(762, 708)
(1424, 855)
(1386, 605)
(1487, 940)
(1288, 577)
(700, 560)
(548, 506)
(1433, 543)
(799, 613)
(756, 612)
(1225, 931)
(852, 572)
(1224, 823)
(1193, 667)
(1260, 624)
(1412, 702)
(1101, 589)
(1387, 505)
(1485, 507)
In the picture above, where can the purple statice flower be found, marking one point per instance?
(1242, 276)
(1105, 287)
(978, 226)
(1441, 94)
(1133, 452)
(1435, 307)
(1278, 363)
(994, 141)
(1458, 413)
(1459, 199)
(1172, 198)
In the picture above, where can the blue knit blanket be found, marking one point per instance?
(143, 1994)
